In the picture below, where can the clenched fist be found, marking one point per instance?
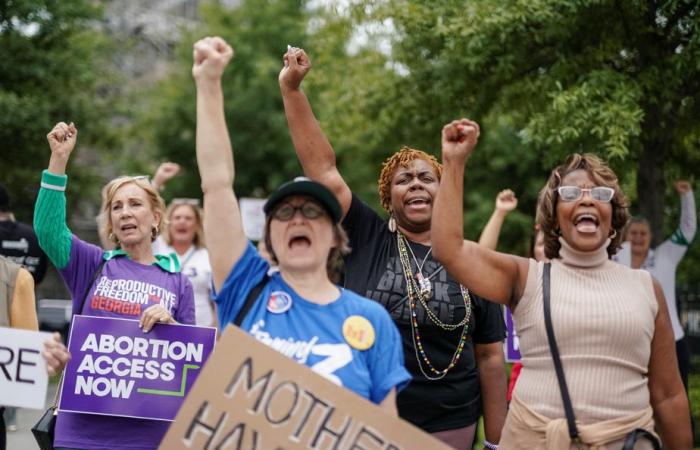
(459, 138)
(506, 201)
(62, 140)
(211, 56)
(296, 65)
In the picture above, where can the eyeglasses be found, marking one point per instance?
(573, 193)
(185, 201)
(309, 210)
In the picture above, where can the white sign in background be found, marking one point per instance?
(253, 217)
(23, 377)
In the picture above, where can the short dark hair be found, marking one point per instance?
(547, 204)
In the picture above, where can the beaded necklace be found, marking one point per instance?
(413, 290)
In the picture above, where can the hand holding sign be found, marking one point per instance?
(55, 354)
(155, 314)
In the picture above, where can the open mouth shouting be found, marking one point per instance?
(127, 228)
(418, 203)
(586, 223)
(299, 240)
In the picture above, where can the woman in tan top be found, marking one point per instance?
(610, 322)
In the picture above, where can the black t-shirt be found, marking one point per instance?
(374, 270)
(19, 244)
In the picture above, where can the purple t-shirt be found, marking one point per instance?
(124, 289)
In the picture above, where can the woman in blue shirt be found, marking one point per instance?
(299, 311)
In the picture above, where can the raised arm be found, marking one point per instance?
(165, 172)
(688, 223)
(496, 276)
(50, 209)
(311, 145)
(506, 201)
(223, 227)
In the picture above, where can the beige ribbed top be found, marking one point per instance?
(603, 315)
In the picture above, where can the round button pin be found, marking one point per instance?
(358, 332)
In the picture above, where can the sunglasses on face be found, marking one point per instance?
(309, 210)
(185, 201)
(573, 193)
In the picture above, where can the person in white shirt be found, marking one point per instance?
(184, 236)
(661, 262)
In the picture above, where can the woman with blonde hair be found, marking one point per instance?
(609, 322)
(183, 235)
(100, 281)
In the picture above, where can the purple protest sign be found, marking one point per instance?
(118, 370)
(512, 344)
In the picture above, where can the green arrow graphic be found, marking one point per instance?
(180, 393)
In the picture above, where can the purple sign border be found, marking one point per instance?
(512, 353)
(73, 362)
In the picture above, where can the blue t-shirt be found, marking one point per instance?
(312, 334)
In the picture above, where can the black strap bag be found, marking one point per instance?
(633, 436)
(44, 429)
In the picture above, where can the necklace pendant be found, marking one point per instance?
(424, 284)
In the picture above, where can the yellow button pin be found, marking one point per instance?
(358, 332)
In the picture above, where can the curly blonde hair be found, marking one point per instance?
(156, 201)
(602, 175)
(402, 158)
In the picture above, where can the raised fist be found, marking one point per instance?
(165, 172)
(296, 65)
(459, 138)
(62, 139)
(683, 186)
(210, 55)
(506, 201)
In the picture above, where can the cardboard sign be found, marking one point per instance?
(253, 217)
(512, 344)
(249, 396)
(118, 370)
(23, 377)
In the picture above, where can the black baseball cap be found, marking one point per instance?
(4, 199)
(310, 188)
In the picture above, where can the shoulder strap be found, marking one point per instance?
(96, 274)
(637, 434)
(566, 399)
(250, 299)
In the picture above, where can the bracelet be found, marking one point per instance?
(489, 445)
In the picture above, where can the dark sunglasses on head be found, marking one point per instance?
(573, 193)
(309, 210)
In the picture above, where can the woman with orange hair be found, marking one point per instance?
(447, 331)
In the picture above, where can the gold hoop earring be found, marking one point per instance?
(154, 232)
(392, 224)
(112, 237)
(613, 235)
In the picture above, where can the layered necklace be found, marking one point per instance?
(420, 287)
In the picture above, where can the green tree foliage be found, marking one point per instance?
(52, 58)
(545, 78)
(259, 33)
